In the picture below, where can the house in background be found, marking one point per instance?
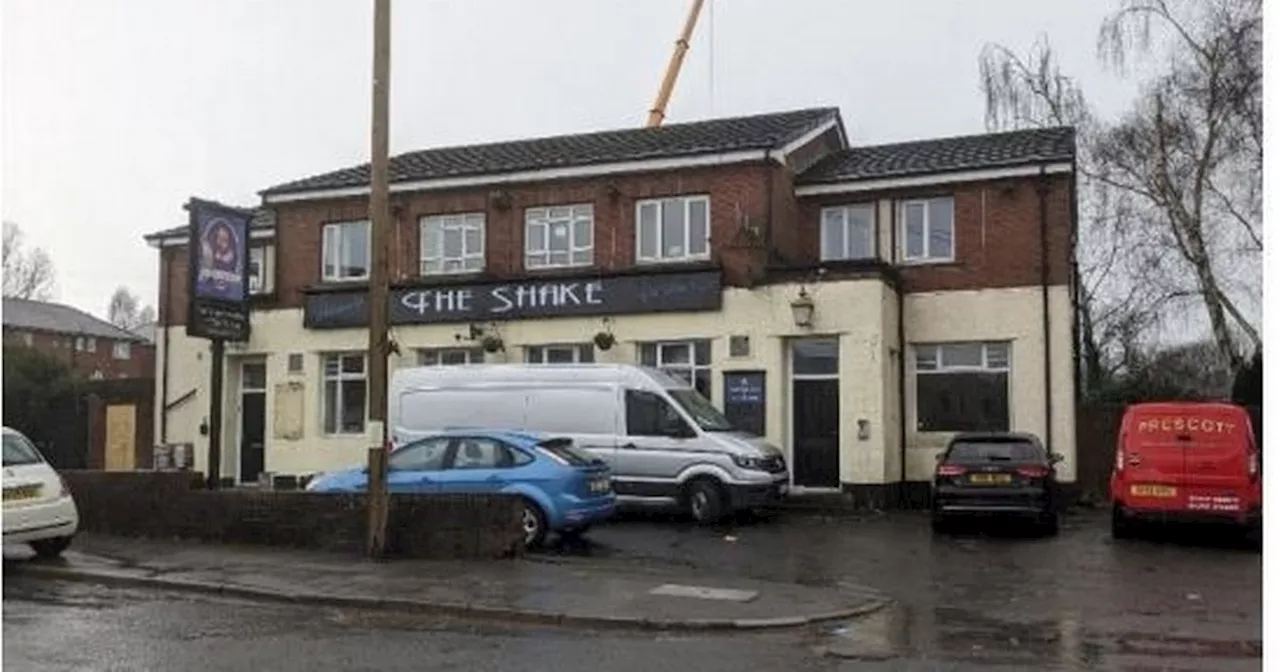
(856, 305)
(91, 346)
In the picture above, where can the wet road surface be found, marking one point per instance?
(968, 602)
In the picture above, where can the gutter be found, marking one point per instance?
(164, 352)
(902, 357)
(1042, 190)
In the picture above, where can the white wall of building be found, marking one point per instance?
(861, 313)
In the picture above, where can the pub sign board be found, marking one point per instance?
(486, 302)
(218, 282)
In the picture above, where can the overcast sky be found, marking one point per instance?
(114, 113)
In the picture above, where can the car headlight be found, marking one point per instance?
(751, 462)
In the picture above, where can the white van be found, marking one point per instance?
(666, 444)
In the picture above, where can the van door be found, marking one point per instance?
(1153, 467)
(658, 445)
(1216, 455)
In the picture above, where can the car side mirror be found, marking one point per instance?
(1055, 458)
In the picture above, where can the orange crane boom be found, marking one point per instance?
(659, 110)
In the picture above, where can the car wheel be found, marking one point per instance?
(47, 549)
(939, 523)
(1121, 526)
(534, 524)
(705, 501)
(1049, 524)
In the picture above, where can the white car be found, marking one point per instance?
(38, 507)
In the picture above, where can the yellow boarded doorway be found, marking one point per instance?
(118, 453)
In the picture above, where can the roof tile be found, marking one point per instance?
(970, 152)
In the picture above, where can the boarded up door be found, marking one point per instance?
(121, 434)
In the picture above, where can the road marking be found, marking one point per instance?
(705, 593)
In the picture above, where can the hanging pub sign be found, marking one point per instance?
(218, 287)
(616, 295)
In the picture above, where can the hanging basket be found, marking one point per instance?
(491, 343)
(604, 340)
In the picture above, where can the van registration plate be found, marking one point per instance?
(21, 492)
(1153, 491)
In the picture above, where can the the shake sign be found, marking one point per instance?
(504, 301)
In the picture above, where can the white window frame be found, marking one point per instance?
(472, 261)
(989, 363)
(338, 378)
(121, 350)
(541, 352)
(338, 252)
(28, 339)
(260, 282)
(692, 367)
(686, 202)
(426, 355)
(542, 218)
(845, 225)
(926, 257)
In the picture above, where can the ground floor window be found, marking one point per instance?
(571, 353)
(450, 356)
(962, 387)
(688, 360)
(344, 393)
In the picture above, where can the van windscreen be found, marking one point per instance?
(708, 417)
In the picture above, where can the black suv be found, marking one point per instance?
(1000, 473)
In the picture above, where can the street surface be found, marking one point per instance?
(968, 602)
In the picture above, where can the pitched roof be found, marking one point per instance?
(714, 136)
(969, 152)
(59, 318)
(263, 218)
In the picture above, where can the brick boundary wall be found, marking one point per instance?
(158, 504)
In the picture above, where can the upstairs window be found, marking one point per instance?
(261, 271)
(558, 237)
(86, 344)
(452, 244)
(673, 229)
(927, 231)
(345, 252)
(848, 232)
(121, 350)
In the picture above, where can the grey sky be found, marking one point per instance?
(115, 112)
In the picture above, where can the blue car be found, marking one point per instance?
(564, 489)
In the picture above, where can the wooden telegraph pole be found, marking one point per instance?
(380, 236)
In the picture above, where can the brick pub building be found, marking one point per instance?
(855, 304)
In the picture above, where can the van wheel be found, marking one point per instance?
(48, 549)
(705, 501)
(1121, 526)
(534, 524)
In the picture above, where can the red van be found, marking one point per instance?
(1186, 461)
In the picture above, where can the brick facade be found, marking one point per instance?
(757, 222)
(101, 360)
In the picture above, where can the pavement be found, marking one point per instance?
(980, 599)
(537, 591)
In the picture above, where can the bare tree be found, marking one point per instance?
(1191, 151)
(1170, 197)
(125, 310)
(1115, 310)
(28, 274)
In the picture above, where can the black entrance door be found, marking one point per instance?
(253, 426)
(816, 442)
